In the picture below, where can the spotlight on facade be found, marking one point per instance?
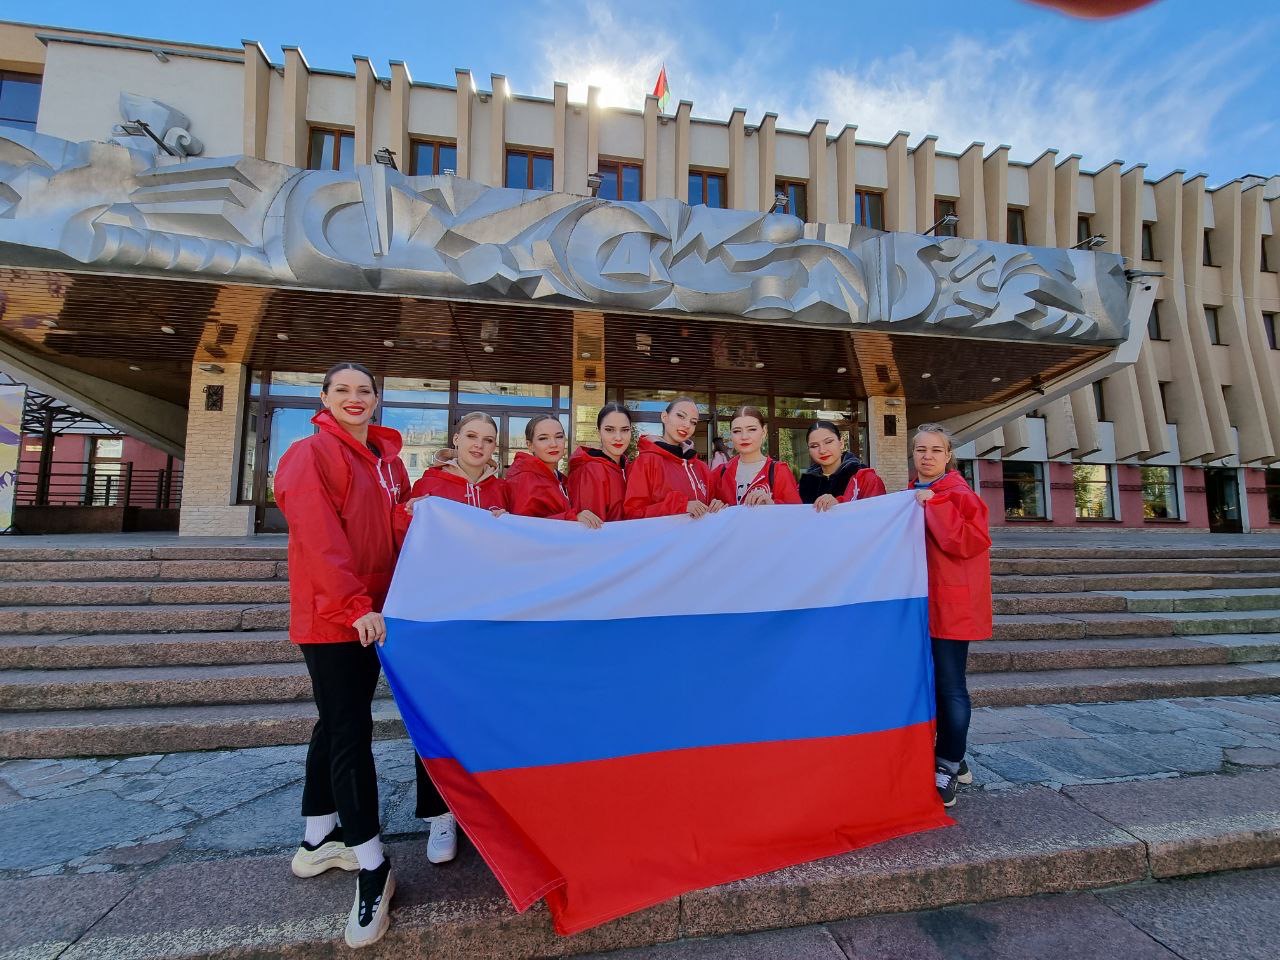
(282, 336)
(842, 369)
(140, 128)
(211, 367)
(168, 329)
(1090, 243)
(759, 364)
(950, 220)
(594, 183)
(488, 348)
(385, 156)
(780, 202)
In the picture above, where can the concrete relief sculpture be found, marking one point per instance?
(170, 126)
(376, 230)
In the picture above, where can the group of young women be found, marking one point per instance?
(346, 496)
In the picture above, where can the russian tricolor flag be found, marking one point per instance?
(617, 716)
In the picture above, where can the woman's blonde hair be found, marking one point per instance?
(941, 431)
(471, 417)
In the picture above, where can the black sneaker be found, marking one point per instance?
(947, 782)
(369, 917)
(964, 774)
(330, 853)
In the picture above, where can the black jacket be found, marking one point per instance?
(814, 484)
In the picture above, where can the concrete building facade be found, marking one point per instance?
(1183, 436)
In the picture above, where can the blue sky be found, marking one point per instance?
(1177, 85)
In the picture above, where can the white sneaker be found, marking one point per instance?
(370, 914)
(442, 845)
(329, 854)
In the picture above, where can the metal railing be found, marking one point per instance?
(87, 484)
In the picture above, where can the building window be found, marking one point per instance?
(1273, 495)
(942, 209)
(619, 180)
(1164, 401)
(1211, 321)
(968, 471)
(528, 170)
(1084, 230)
(1100, 399)
(706, 188)
(19, 99)
(429, 158)
(797, 202)
(1269, 325)
(868, 209)
(1153, 322)
(332, 150)
(1263, 264)
(1208, 250)
(1159, 493)
(1017, 226)
(1148, 243)
(1024, 497)
(1092, 483)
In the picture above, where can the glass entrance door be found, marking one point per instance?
(1222, 491)
(285, 424)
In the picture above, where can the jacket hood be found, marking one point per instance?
(951, 480)
(526, 462)
(649, 445)
(451, 471)
(585, 455)
(849, 465)
(387, 441)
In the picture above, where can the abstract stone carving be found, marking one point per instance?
(167, 123)
(112, 207)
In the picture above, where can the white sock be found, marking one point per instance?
(370, 853)
(320, 827)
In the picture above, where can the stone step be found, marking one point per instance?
(88, 570)
(259, 548)
(171, 729)
(1197, 601)
(98, 593)
(1034, 603)
(43, 652)
(994, 656)
(1012, 843)
(1075, 625)
(1138, 563)
(144, 618)
(1022, 688)
(1057, 583)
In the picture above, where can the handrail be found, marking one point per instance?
(85, 483)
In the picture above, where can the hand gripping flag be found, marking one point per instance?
(617, 716)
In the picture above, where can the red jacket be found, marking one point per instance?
(958, 551)
(441, 481)
(340, 501)
(536, 490)
(596, 483)
(865, 483)
(773, 475)
(661, 483)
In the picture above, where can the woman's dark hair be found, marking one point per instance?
(613, 406)
(822, 425)
(719, 445)
(679, 400)
(349, 365)
(749, 411)
(531, 427)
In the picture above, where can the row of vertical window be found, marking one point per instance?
(1156, 332)
(1026, 497)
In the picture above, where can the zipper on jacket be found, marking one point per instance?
(694, 482)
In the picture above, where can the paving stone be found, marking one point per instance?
(1011, 767)
(1254, 756)
(40, 917)
(53, 831)
(1232, 916)
(1215, 738)
(805, 943)
(1171, 752)
(1038, 928)
(1195, 824)
(1085, 759)
(272, 821)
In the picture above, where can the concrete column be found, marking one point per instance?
(989, 443)
(1107, 206)
(560, 137)
(465, 96)
(209, 488)
(1066, 200)
(1016, 437)
(737, 184)
(766, 143)
(401, 91)
(366, 85)
(971, 206)
(924, 168)
(889, 452)
(1059, 428)
(593, 130)
(498, 130)
(297, 79)
(649, 190)
(1041, 228)
(589, 391)
(1129, 429)
(1085, 414)
(897, 212)
(819, 178)
(995, 182)
(846, 173)
(257, 99)
(1251, 214)
(683, 133)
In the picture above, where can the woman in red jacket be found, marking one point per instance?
(750, 478)
(534, 484)
(958, 552)
(471, 475)
(836, 476)
(339, 490)
(598, 477)
(667, 478)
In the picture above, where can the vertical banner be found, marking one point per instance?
(12, 398)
